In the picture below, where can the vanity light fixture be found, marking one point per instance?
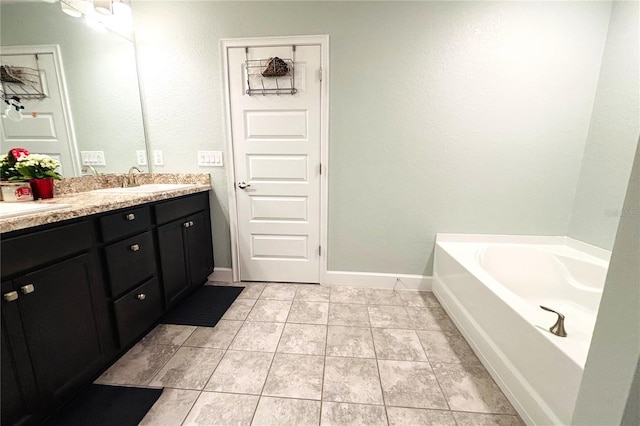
(101, 14)
(112, 7)
(76, 8)
(104, 7)
(70, 8)
(120, 8)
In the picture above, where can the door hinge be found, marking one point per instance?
(320, 74)
(319, 250)
(320, 168)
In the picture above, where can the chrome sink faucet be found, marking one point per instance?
(87, 168)
(131, 178)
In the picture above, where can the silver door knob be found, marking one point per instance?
(141, 296)
(243, 185)
(131, 216)
(135, 247)
(11, 296)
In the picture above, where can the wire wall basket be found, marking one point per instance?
(271, 76)
(22, 82)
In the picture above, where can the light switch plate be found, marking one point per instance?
(158, 160)
(210, 158)
(92, 158)
(141, 157)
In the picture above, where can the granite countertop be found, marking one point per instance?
(77, 194)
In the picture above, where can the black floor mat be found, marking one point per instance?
(101, 405)
(203, 308)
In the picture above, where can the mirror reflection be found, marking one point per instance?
(98, 118)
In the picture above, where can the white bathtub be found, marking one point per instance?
(492, 286)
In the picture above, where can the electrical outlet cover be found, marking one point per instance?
(141, 157)
(158, 160)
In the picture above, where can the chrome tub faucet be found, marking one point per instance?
(558, 327)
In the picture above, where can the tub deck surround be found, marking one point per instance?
(492, 287)
(76, 193)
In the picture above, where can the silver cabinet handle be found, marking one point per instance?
(11, 296)
(190, 223)
(141, 296)
(186, 224)
(26, 289)
(134, 247)
(243, 185)
(131, 216)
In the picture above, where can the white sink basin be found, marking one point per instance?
(27, 207)
(146, 189)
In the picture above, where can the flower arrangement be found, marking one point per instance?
(18, 165)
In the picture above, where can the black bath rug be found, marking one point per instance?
(203, 308)
(101, 405)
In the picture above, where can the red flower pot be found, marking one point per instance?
(42, 188)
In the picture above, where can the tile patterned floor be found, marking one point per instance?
(287, 354)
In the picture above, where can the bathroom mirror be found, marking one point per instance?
(99, 69)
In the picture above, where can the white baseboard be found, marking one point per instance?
(221, 275)
(353, 279)
(379, 280)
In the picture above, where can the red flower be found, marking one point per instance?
(16, 153)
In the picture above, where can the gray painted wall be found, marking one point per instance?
(614, 130)
(615, 348)
(631, 415)
(444, 116)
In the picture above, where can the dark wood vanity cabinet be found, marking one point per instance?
(77, 294)
(56, 329)
(20, 400)
(184, 245)
(130, 263)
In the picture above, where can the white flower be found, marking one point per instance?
(38, 160)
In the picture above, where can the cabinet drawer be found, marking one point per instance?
(138, 310)
(181, 207)
(125, 222)
(37, 248)
(130, 261)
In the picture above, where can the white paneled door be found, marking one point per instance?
(44, 127)
(276, 150)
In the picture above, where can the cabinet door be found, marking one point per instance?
(173, 260)
(19, 398)
(199, 248)
(63, 310)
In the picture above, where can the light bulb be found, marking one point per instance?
(120, 8)
(70, 10)
(104, 7)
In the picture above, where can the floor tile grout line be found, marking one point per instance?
(375, 353)
(163, 365)
(270, 366)
(324, 364)
(191, 408)
(266, 377)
